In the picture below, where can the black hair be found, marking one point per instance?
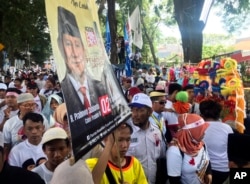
(35, 117)
(187, 87)
(174, 87)
(19, 79)
(52, 80)
(210, 109)
(15, 90)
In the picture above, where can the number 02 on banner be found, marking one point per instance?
(105, 105)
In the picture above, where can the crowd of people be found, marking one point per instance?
(169, 137)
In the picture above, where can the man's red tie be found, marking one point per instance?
(85, 98)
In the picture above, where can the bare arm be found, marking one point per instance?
(102, 162)
(6, 117)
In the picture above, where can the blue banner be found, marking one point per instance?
(108, 38)
(127, 32)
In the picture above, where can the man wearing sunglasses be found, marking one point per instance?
(156, 119)
(158, 105)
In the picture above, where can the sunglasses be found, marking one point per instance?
(161, 102)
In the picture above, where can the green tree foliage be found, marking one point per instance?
(23, 24)
(235, 14)
(216, 44)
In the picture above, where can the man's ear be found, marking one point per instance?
(150, 111)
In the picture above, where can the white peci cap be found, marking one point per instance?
(54, 133)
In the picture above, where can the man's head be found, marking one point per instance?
(50, 83)
(11, 97)
(3, 89)
(32, 88)
(164, 70)
(158, 101)
(126, 82)
(173, 89)
(133, 91)
(190, 90)
(33, 127)
(7, 79)
(40, 75)
(123, 136)
(56, 146)
(141, 107)
(70, 43)
(26, 103)
(210, 109)
(18, 83)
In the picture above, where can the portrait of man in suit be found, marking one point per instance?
(88, 100)
(78, 88)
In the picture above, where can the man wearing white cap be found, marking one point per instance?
(146, 140)
(56, 145)
(13, 175)
(3, 89)
(13, 128)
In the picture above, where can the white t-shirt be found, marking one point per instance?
(25, 151)
(216, 139)
(170, 117)
(43, 172)
(150, 78)
(13, 130)
(185, 166)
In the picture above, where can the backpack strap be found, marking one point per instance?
(110, 175)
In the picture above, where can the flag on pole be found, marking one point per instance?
(135, 21)
(108, 38)
(127, 40)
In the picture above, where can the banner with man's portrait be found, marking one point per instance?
(94, 100)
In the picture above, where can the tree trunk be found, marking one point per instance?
(101, 7)
(187, 14)
(150, 42)
(113, 30)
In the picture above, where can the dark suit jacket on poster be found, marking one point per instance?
(75, 109)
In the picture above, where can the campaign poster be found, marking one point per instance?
(94, 100)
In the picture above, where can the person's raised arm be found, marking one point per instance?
(100, 167)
